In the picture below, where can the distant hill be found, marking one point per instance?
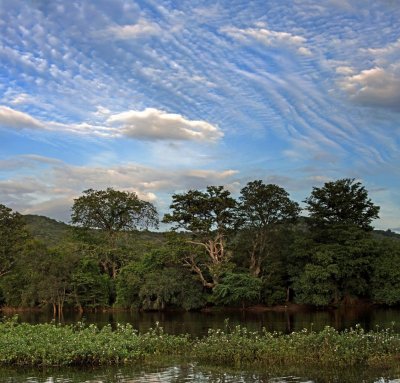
(52, 232)
(46, 229)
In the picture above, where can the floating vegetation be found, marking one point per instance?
(65, 345)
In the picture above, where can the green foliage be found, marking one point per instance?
(20, 286)
(13, 237)
(170, 287)
(326, 348)
(208, 216)
(112, 211)
(237, 288)
(332, 272)
(335, 257)
(386, 274)
(202, 213)
(58, 345)
(343, 202)
(254, 249)
(89, 288)
(47, 230)
(154, 283)
(128, 285)
(261, 205)
(68, 345)
(261, 210)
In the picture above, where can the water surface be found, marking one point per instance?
(191, 372)
(198, 323)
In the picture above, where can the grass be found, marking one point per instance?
(51, 344)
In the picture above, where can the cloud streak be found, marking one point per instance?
(268, 37)
(150, 125)
(11, 118)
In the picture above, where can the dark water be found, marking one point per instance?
(191, 372)
(198, 323)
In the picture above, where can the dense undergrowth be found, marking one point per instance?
(66, 345)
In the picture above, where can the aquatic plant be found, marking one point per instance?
(53, 344)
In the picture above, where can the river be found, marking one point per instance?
(191, 372)
(198, 323)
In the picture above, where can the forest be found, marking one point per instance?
(259, 248)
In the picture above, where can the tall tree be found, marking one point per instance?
(261, 209)
(208, 216)
(13, 237)
(112, 212)
(336, 264)
(342, 202)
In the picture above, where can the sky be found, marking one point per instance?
(159, 97)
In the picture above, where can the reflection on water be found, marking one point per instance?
(198, 323)
(193, 373)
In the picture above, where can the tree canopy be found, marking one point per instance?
(344, 202)
(113, 211)
(262, 205)
(260, 208)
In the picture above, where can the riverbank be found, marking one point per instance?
(52, 344)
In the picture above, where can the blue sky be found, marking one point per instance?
(158, 97)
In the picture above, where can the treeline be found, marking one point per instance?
(221, 250)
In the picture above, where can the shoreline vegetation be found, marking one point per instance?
(52, 344)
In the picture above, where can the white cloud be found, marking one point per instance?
(154, 124)
(268, 37)
(149, 124)
(375, 87)
(344, 70)
(125, 32)
(11, 118)
(304, 51)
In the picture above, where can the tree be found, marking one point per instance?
(13, 238)
(335, 257)
(342, 202)
(53, 275)
(112, 212)
(261, 209)
(208, 216)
